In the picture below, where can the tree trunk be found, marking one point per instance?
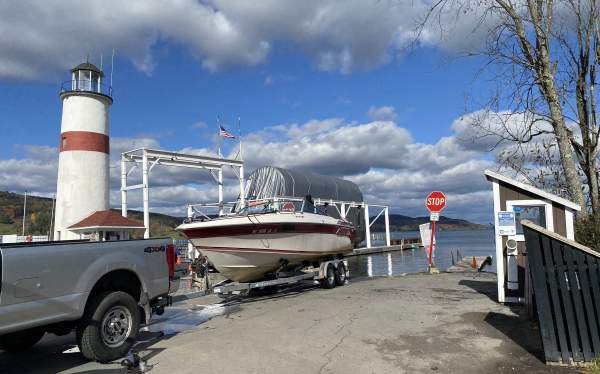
(566, 155)
(545, 74)
(593, 186)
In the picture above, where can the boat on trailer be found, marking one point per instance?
(268, 236)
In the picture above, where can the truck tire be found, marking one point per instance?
(21, 340)
(109, 327)
(329, 280)
(340, 274)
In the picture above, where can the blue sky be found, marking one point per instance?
(425, 88)
(349, 101)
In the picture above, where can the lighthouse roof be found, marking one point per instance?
(88, 66)
(104, 219)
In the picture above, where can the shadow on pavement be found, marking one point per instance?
(484, 287)
(519, 329)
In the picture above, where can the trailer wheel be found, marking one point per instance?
(109, 327)
(340, 274)
(329, 280)
(21, 340)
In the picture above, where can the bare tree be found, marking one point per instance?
(544, 55)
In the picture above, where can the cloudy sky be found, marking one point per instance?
(335, 87)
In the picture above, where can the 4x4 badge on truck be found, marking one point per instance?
(154, 249)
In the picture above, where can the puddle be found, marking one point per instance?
(179, 319)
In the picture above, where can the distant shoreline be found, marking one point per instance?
(438, 230)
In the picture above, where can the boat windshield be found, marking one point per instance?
(258, 207)
(283, 206)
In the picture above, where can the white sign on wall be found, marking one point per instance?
(506, 223)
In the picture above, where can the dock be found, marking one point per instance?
(395, 245)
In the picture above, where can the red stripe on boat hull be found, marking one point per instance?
(271, 228)
(258, 250)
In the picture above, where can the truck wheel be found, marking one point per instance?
(340, 274)
(109, 327)
(329, 280)
(21, 340)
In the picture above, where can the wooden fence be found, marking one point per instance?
(566, 285)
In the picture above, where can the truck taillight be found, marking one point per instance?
(171, 257)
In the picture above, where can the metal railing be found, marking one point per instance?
(86, 85)
(254, 206)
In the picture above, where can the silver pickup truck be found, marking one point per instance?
(102, 290)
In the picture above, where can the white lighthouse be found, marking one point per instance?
(83, 174)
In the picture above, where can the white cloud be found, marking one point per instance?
(382, 113)
(379, 156)
(199, 125)
(42, 39)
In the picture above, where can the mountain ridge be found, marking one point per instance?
(400, 222)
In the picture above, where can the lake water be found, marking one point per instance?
(468, 243)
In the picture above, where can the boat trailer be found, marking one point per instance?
(329, 274)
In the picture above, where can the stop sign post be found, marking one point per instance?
(435, 202)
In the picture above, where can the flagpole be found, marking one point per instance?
(219, 135)
(240, 136)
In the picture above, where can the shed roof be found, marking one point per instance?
(491, 175)
(106, 219)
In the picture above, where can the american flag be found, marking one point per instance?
(224, 133)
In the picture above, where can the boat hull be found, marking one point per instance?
(247, 251)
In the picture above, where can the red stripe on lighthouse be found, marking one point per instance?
(83, 141)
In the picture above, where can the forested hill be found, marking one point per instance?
(399, 222)
(39, 211)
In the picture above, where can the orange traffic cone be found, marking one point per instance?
(474, 263)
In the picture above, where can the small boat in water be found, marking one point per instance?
(268, 236)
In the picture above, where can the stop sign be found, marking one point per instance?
(435, 201)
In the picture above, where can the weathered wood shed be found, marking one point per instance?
(547, 210)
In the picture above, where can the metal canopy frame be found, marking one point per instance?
(344, 206)
(149, 158)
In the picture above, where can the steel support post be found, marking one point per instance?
(387, 226)
(146, 193)
(367, 226)
(220, 182)
(123, 186)
(191, 249)
(242, 188)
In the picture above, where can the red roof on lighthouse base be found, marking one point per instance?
(106, 219)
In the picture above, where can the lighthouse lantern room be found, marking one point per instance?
(87, 77)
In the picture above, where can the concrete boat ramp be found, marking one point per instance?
(418, 323)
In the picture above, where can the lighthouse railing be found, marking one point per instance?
(86, 85)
